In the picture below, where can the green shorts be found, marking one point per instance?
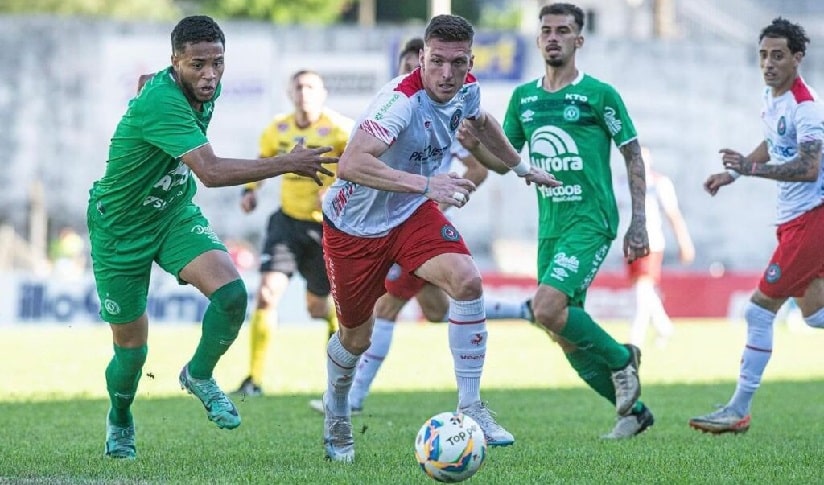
(570, 262)
(122, 265)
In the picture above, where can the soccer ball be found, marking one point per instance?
(450, 447)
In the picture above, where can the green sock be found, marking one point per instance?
(221, 324)
(122, 375)
(582, 331)
(594, 370)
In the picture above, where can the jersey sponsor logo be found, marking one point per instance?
(324, 130)
(341, 198)
(206, 231)
(783, 151)
(449, 233)
(576, 97)
(572, 113)
(613, 123)
(529, 99)
(554, 150)
(383, 109)
(455, 120)
(782, 126)
(428, 153)
(560, 273)
(773, 273)
(283, 127)
(177, 177)
(564, 193)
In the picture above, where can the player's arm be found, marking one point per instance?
(636, 240)
(470, 142)
(216, 171)
(668, 201)
(805, 167)
(360, 164)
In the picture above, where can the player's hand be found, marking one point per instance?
(449, 189)
(466, 137)
(248, 201)
(308, 162)
(636, 240)
(732, 160)
(716, 181)
(541, 178)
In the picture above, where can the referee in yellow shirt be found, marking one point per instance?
(293, 234)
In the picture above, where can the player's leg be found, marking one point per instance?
(309, 255)
(566, 267)
(277, 263)
(431, 244)
(793, 270)
(122, 286)
(356, 268)
(193, 253)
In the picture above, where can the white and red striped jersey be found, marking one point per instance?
(420, 133)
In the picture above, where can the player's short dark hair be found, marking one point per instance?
(195, 29)
(781, 28)
(412, 46)
(564, 9)
(449, 28)
(306, 72)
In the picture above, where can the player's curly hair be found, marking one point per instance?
(449, 28)
(194, 29)
(781, 28)
(564, 9)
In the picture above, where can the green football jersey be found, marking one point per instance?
(145, 177)
(569, 135)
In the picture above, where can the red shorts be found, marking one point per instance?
(797, 260)
(649, 266)
(403, 285)
(357, 266)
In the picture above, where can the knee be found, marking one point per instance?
(468, 287)
(318, 308)
(549, 315)
(434, 313)
(231, 299)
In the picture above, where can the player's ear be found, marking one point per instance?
(471, 62)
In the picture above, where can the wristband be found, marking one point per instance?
(733, 174)
(522, 169)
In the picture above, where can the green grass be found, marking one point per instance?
(52, 410)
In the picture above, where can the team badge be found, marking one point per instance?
(449, 233)
(773, 273)
(456, 119)
(782, 126)
(572, 113)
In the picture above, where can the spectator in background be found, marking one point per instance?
(67, 253)
(645, 272)
(293, 233)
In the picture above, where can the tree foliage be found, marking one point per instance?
(280, 11)
(123, 9)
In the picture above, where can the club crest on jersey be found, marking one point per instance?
(773, 273)
(456, 119)
(782, 126)
(572, 113)
(449, 233)
(324, 131)
(283, 127)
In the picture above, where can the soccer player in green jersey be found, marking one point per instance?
(568, 120)
(141, 211)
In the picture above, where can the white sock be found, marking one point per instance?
(816, 320)
(371, 360)
(467, 341)
(505, 310)
(756, 355)
(640, 322)
(340, 367)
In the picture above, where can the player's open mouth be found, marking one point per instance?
(207, 90)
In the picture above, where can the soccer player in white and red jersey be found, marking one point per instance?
(793, 123)
(383, 210)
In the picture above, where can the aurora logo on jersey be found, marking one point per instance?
(449, 233)
(611, 119)
(455, 120)
(552, 149)
(782, 126)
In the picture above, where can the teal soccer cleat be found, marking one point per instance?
(219, 407)
(120, 441)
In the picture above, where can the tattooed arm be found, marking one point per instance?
(636, 240)
(803, 168)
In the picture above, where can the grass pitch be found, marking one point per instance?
(53, 405)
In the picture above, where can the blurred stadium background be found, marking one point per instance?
(687, 70)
